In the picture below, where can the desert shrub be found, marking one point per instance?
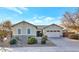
(44, 39)
(3, 33)
(74, 36)
(31, 40)
(13, 41)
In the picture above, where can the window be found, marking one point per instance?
(19, 31)
(48, 31)
(54, 30)
(28, 31)
(58, 30)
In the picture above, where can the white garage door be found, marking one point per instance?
(53, 33)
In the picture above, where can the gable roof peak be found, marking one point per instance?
(53, 25)
(24, 22)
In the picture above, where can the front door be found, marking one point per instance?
(39, 33)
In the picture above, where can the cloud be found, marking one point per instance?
(49, 18)
(43, 20)
(19, 10)
(14, 9)
(23, 8)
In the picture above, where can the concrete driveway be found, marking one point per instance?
(62, 45)
(65, 42)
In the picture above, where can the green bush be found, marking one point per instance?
(31, 40)
(13, 41)
(44, 39)
(74, 36)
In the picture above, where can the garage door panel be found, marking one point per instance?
(53, 34)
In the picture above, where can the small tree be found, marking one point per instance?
(5, 31)
(7, 25)
(71, 21)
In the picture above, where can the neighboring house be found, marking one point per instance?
(26, 29)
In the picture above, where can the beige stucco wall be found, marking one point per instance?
(52, 27)
(24, 27)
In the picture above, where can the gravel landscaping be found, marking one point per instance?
(38, 44)
(48, 44)
(62, 45)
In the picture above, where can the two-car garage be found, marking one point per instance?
(53, 31)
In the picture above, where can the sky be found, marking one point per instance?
(34, 15)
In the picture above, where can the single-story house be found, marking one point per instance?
(27, 29)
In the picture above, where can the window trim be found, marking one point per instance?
(28, 31)
(20, 32)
